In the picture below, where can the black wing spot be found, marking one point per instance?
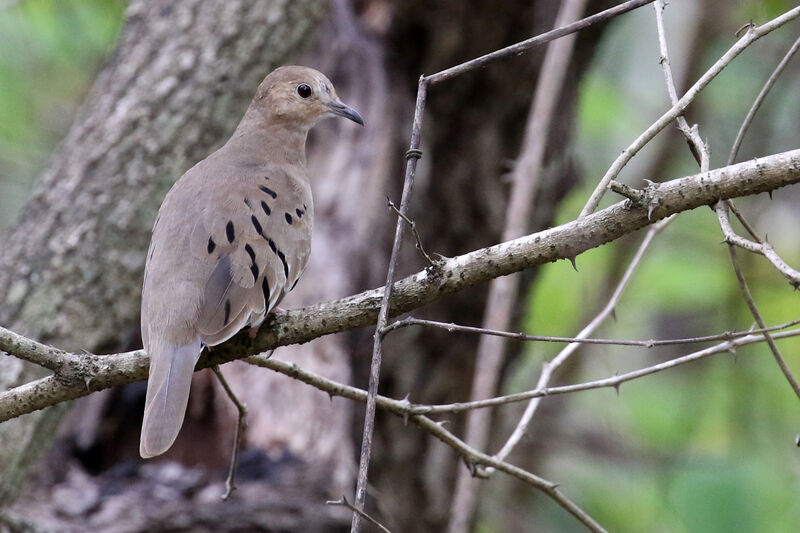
(272, 246)
(266, 208)
(268, 191)
(254, 270)
(211, 245)
(247, 203)
(285, 266)
(227, 312)
(265, 290)
(299, 213)
(305, 208)
(288, 218)
(295, 283)
(229, 231)
(250, 252)
(256, 224)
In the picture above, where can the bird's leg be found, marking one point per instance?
(253, 331)
(241, 427)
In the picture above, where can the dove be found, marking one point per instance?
(231, 238)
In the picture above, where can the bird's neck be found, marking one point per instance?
(274, 141)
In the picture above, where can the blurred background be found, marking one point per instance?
(706, 447)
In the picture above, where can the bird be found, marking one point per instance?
(231, 238)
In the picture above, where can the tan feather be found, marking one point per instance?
(232, 237)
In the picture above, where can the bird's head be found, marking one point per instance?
(301, 96)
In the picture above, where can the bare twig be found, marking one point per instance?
(748, 119)
(413, 226)
(550, 367)
(701, 153)
(751, 113)
(751, 304)
(696, 144)
(454, 274)
(403, 408)
(383, 313)
(610, 382)
(761, 248)
(752, 35)
(523, 46)
(502, 298)
(241, 428)
(412, 155)
(650, 343)
(344, 503)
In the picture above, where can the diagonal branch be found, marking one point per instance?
(752, 35)
(93, 373)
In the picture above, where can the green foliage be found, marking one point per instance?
(49, 52)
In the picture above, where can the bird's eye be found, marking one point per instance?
(304, 90)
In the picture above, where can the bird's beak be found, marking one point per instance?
(338, 108)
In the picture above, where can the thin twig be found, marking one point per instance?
(413, 226)
(751, 304)
(241, 429)
(449, 326)
(523, 46)
(610, 382)
(696, 144)
(751, 113)
(344, 503)
(383, 313)
(503, 292)
(549, 368)
(748, 119)
(752, 35)
(403, 408)
(762, 248)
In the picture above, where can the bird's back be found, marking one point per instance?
(231, 239)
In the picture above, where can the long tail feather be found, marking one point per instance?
(171, 369)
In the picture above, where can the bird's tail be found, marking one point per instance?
(171, 369)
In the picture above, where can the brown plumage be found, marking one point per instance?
(231, 239)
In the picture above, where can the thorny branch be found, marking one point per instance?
(413, 225)
(650, 343)
(503, 292)
(412, 155)
(751, 35)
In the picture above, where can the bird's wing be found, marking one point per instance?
(257, 234)
(228, 243)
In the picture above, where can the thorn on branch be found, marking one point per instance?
(574, 265)
(745, 28)
(432, 262)
(344, 503)
(636, 196)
